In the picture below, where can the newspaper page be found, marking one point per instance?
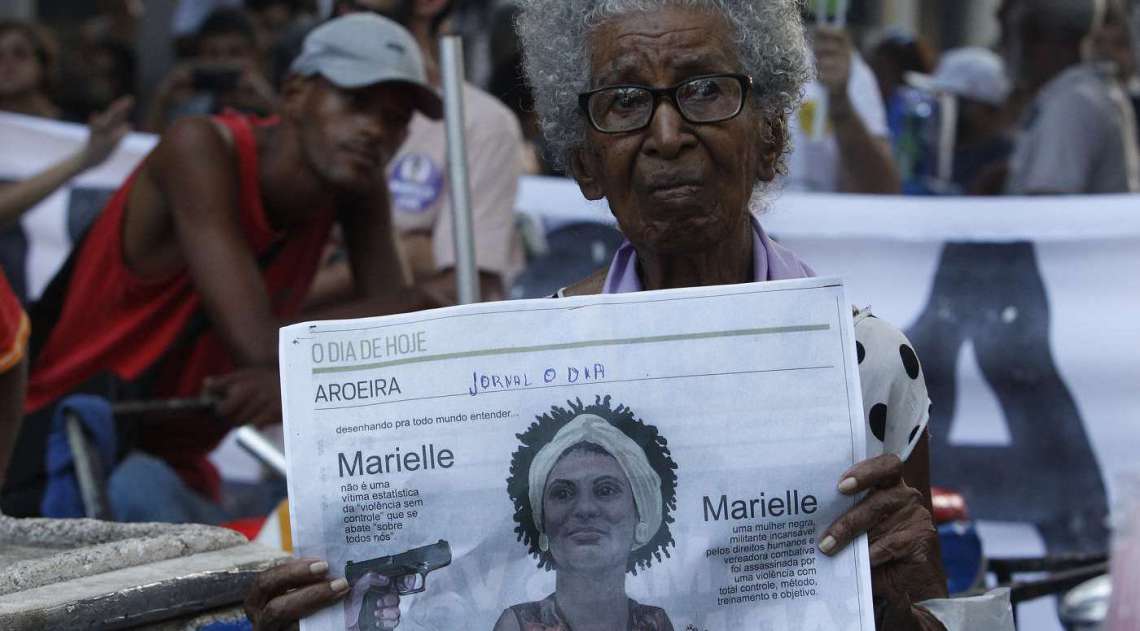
(649, 461)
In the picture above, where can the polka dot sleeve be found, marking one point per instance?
(895, 402)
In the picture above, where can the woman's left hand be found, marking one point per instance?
(903, 542)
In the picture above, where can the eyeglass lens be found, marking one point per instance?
(703, 100)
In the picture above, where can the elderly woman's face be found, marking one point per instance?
(589, 512)
(674, 186)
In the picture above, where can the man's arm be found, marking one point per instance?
(196, 172)
(866, 161)
(375, 281)
(867, 164)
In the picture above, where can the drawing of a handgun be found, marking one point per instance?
(418, 562)
(407, 570)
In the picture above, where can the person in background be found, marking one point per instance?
(282, 27)
(180, 286)
(105, 132)
(273, 18)
(852, 152)
(1078, 135)
(27, 70)
(224, 73)
(976, 78)
(1114, 44)
(418, 176)
(188, 17)
(898, 54)
(104, 71)
(509, 86)
(27, 61)
(117, 21)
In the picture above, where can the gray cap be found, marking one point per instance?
(363, 49)
(971, 73)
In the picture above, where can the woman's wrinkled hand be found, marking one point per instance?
(903, 542)
(281, 596)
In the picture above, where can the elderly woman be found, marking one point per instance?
(593, 489)
(675, 112)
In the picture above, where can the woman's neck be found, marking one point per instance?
(727, 263)
(593, 602)
(30, 104)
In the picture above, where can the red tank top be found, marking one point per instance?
(114, 321)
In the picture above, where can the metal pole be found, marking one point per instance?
(260, 448)
(451, 67)
(947, 136)
(88, 469)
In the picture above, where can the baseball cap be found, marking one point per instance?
(363, 49)
(971, 73)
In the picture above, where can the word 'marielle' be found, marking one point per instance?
(427, 458)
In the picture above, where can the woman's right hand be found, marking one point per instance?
(282, 595)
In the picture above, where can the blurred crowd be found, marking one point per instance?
(1050, 109)
(891, 115)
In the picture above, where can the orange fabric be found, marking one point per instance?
(14, 327)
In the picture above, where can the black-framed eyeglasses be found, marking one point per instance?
(713, 98)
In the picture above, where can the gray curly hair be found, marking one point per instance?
(555, 33)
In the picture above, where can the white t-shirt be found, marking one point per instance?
(813, 164)
(418, 181)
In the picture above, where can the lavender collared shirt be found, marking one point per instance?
(771, 261)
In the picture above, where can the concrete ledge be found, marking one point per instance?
(39, 552)
(139, 595)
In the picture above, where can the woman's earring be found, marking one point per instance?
(543, 542)
(642, 532)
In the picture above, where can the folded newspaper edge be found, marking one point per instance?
(991, 611)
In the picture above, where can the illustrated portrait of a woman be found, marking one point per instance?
(594, 488)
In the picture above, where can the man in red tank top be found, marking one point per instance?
(209, 247)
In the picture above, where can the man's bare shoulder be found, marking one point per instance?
(589, 286)
(196, 138)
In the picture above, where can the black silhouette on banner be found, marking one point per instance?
(83, 206)
(994, 296)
